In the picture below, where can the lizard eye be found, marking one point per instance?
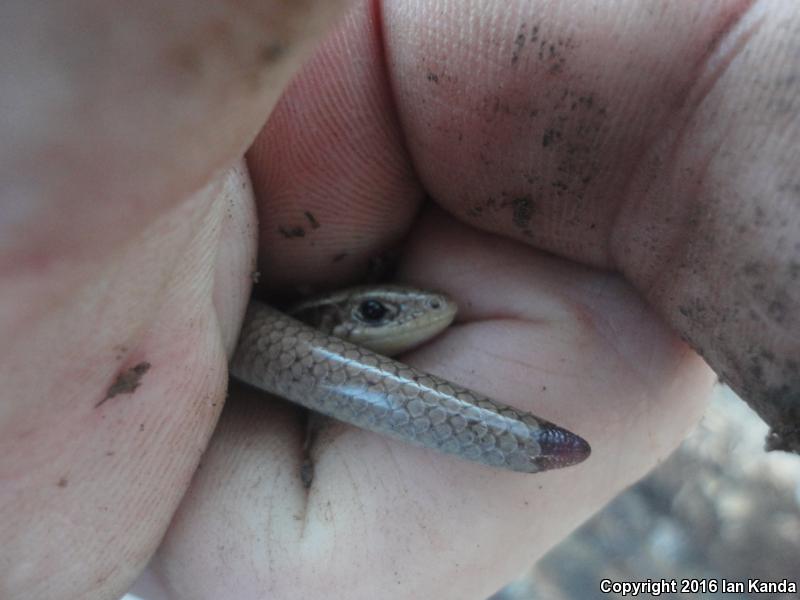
(372, 311)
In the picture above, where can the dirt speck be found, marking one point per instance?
(292, 231)
(522, 38)
(127, 381)
(550, 137)
(522, 211)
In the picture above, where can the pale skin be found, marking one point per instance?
(607, 177)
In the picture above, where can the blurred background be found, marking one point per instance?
(720, 507)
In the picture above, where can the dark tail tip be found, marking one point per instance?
(560, 448)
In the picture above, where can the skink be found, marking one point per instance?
(311, 366)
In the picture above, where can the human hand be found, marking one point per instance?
(160, 271)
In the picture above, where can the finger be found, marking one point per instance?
(663, 143)
(330, 169)
(540, 145)
(116, 389)
(135, 108)
(575, 345)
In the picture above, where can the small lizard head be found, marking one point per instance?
(387, 319)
